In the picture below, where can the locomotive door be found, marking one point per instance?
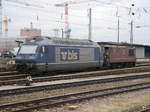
(44, 56)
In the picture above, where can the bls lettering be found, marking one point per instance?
(69, 54)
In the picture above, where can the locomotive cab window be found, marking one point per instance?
(28, 49)
(40, 49)
(131, 52)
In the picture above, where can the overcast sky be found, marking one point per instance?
(46, 16)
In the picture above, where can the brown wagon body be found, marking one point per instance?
(119, 56)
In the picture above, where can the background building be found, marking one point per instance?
(26, 32)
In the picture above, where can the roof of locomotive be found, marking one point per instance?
(41, 40)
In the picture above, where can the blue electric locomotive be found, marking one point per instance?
(56, 54)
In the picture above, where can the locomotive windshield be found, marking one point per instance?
(28, 49)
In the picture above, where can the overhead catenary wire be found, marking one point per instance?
(41, 8)
(97, 18)
(124, 21)
(54, 12)
(52, 20)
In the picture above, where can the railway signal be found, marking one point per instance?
(131, 32)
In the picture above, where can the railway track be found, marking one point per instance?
(3, 73)
(143, 64)
(17, 78)
(145, 110)
(10, 77)
(33, 104)
(7, 76)
(70, 83)
(8, 73)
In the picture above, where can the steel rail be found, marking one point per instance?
(28, 105)
(68, 84)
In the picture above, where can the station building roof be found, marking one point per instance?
(123, 44)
